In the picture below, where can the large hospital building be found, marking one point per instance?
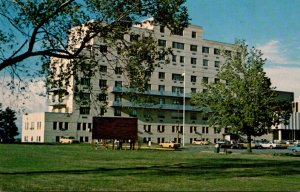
(167, 115)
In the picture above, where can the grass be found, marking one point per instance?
(81, 168)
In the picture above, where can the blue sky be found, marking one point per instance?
(272, 26)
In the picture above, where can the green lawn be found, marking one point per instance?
(81, 168)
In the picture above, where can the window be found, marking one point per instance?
(147, 128)
(84, 96)
(60, 125)
(102, 111)
(178, 32)
(85, 81)
(103, 49)
(193, 48)
(174, 58)
(177, 77)
(217, 51)
(162, 43)
(181, 59)
(83, 126)
(117, 111)
(176, 89)
(217, 64)
(193, 116)
(161, 75)
(216, 130)
(102, 97)
(193, 129)
(160, 128)
(118, 83)
(102, 83)
(204, 129)
(84, 110)
(118, 97)
(193, 79)
(161, 88)
(54, 125)
(173, 129)
(205, 49)
(90, 126)
(194, 34)
(86, 139)
(133, 113)
(78, 126)
(205, 80)
(161, 114)
(118, 71)
(177, 45)
(228, 52)
(32, 126)
(134, 37)
(162, 29)
(39, 125)
(217, 80)
(103, 68)
(162, 101)
(161, 56)
(205, 62)
(193, 61)
(193, 90)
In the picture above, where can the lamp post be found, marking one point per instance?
(183, 107)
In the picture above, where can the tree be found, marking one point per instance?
(243, 101)
(63, 29)
(8, 128)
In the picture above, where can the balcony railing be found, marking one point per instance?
(155, 106)
(152, 92)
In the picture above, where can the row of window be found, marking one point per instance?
(176, 129)
(194, 48)
(38, 139)
(84, 126)
(162, 139)
(33, 125)
(161, 75)
(65, 125)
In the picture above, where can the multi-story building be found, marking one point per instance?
(292, 130)
(166, 112)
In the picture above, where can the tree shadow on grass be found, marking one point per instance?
(207, 168)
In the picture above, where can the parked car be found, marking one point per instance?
(253, 145)
(270, 145)
(224, 144)
(294, 148)
(200, 142)
(66, 139)
(170, 144)
(284, 144)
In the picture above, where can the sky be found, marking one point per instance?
(271, 26)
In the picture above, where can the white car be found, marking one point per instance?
(270, 145)
(200, 142)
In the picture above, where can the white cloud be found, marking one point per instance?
(285, 79)
(275, 52)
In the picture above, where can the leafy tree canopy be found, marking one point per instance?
(8, 128)
(243, 101)
(42, 29)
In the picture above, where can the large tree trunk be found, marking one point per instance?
(249, 148)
